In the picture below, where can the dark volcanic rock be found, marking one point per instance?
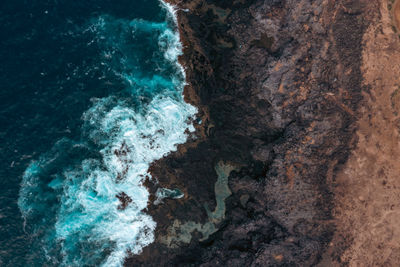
(277, 84)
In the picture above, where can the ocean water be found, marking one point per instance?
(91, 95)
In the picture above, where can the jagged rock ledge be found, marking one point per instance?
(278, 85)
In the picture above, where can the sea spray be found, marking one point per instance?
(70, 196)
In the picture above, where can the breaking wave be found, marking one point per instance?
(84, 200)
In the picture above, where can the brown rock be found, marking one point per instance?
(284, 89)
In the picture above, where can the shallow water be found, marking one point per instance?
(92, 94)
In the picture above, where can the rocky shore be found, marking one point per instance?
(281, 89)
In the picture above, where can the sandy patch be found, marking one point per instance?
(396, 14)
(368, 188)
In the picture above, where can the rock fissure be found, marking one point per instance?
(279, 87)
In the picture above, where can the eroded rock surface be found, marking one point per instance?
(367, 193)
(280, 89)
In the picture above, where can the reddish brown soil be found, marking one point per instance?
(305, 96)
(396, 14)
(367, 194)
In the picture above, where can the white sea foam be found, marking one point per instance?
(94, 198)
(88, 214)
(171, 11)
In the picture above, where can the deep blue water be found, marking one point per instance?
(90, 95)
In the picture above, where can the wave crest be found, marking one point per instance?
(84, 201)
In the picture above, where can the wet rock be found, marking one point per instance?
(277, 85)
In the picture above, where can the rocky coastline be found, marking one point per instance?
(279, 88)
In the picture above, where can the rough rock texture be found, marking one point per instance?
(283, 89)
(367, 199)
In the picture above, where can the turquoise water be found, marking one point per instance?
(70, 195)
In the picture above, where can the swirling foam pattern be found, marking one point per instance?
(84, 200)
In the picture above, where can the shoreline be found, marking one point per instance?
(267, 108)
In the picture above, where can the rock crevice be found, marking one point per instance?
(278, 85)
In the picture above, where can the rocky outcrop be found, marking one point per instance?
(278, 84)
